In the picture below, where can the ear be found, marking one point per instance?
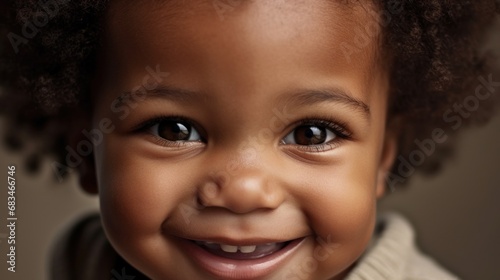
(388, 156)
(77, 140)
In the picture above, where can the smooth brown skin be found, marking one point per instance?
(242, 69)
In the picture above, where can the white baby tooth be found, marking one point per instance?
(247, 249)
(229, 248)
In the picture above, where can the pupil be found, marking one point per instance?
(310, 135)
(174, 131)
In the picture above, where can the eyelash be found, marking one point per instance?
(339, 128)
(144, 127)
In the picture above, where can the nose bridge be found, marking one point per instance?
(240, 183)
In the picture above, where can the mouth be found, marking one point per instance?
(247, 252)
(247, 261)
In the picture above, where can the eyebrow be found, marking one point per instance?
(169, 93)
(299, 98)
(333, 95)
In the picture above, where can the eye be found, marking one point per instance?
(310, 134)
(175, 130)
(314, 135)
(172, 131)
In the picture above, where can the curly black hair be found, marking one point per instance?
(49, 52)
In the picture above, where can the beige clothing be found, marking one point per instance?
(394, 256)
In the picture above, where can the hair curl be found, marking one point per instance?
(432, 46)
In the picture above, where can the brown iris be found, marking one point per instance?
(309, 135)
(174, 130)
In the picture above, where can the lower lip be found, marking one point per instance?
(240, 269)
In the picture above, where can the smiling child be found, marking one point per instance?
(242, 139)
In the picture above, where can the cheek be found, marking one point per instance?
(340, 202)
(136, 193)
(346, 216)
(342, 196)
(344, 205)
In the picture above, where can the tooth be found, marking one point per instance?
(229, 248)
(247, 249)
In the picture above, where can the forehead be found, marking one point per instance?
(339, 24)
(240, 38)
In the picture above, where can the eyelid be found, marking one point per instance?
(194, 131)
(340, 130)
(146, 126)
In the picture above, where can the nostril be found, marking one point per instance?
(207, 194)
(248, 191)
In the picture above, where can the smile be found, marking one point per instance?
(240, 261)
(241, 252)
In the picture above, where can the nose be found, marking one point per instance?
(241, 192)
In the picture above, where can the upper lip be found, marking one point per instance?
(241, 242)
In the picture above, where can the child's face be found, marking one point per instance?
(261, 132)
